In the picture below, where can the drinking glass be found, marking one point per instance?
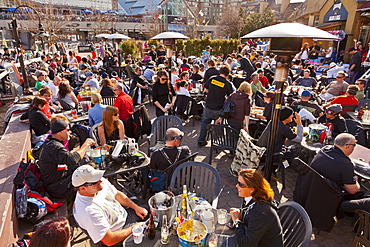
(137, 233)
(221, 216)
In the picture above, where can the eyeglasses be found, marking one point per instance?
(352, 144)
(243, 185)
(91, 184)
(164, 79)
(340, 77)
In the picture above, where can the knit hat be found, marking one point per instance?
(285, 112)
(86, 174)
(58, 125)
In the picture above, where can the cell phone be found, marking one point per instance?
(230, 224)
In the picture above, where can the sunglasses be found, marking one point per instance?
(352, 144)
(177, 137)
(90, 184)
(115, 114)
(340, 77)
(243, 185)
(330, 112)
(164, 79)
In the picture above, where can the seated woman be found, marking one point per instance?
(66, 94)
(107, 89)
(180, 87)
(96, 113)
(55, 233)
(267, 111)
(257, 222)
(111, 128)
(39, 122)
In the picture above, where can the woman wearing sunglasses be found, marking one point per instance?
(257, 222)
(111, 128)
(162, 92)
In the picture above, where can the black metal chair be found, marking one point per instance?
(222, 137)
(362, 237)
(108, 100)
(296, 224)
(158, 132)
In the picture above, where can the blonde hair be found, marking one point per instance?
(108, 123)
(246, 88)
(96, 98)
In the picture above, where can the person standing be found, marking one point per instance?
(162, 93)
(123, 102)
(217, 88)
(354, 63)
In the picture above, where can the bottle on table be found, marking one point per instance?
(366, 106)
(151, 228)
(165, 231)
(184, 203)
(360, 112)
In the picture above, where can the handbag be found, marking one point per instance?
(228, 111)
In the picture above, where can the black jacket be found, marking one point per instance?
(261, 226)
(38, 121)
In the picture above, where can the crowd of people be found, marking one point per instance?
(244, 77)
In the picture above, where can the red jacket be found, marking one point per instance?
(125, 106)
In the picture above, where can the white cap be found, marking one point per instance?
(161, 66)
(332, 65)
(86, 174)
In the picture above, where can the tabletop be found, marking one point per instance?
(353, 115)
(81, 116)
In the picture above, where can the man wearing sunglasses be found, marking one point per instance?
(104, 212)
(171, 153)
(335, 88)
(333, 163)
(57, 164)
(332, 116)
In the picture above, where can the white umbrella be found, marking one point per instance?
(102, 35)
(170, 35)
(118, 36)
(285, 30)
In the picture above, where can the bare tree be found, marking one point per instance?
(231, 21)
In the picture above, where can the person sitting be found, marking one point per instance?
(65, 93)
(111, 128)
(196, 76)
(39, 122)
(263, 79)
(360, 83)
(267, 110)
(332, 116)
(41, 76)
(257, 222)
(306, 80)
(54, 233)
(256, 84)
(96, 113)
(347, 101)
(333, 163)
(107, 89)
(181, 88)
(98, 207)
(304, 103)
(91, 81)
(57, 164)
(335, 88)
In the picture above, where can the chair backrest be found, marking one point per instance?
(65, 105)
(162, 123)
(355, 128)
(362, 237)
(223, 136)
(296, 224)
(82, 132)
(200, 178)
(94, 134)
(347, 108)
(108, 100)
(363, 102)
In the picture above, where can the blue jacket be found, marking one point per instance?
(96, 114)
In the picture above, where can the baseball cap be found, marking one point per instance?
(335, 108)
(351, 49)
(208, 47)
(104, 75)
(40, 73)
(89, 74)
(332, 65)
(306, 93)
(58, 125)
(86, 174)
(161, 66)
(259, 70)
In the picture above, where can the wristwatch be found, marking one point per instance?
(237, 223)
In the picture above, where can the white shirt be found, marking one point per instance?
(173, 79)
(183, 91)
(99, 64)
(99, 213)
(54, 89)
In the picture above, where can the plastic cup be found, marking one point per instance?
(221, 216)
(137, 233)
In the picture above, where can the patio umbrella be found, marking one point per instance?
(11, 9)
(170, 35)
(112, 12)
(86, 11)
(100, 11)
(117, 36)
(102, 35)
(284, 30)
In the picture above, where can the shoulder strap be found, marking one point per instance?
(168, 159)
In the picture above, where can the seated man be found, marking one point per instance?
(304, 103)
(332, 116)
(171, 153)
(335, 88)
(347, 99)
(306, 80)
(333, 163)
(98, 207)
(57, 164)
(91, 81)
(360, 83)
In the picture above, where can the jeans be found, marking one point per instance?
(352, 76)
(207, 117)
(235, 125)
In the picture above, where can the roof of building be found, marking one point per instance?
(140, 7)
